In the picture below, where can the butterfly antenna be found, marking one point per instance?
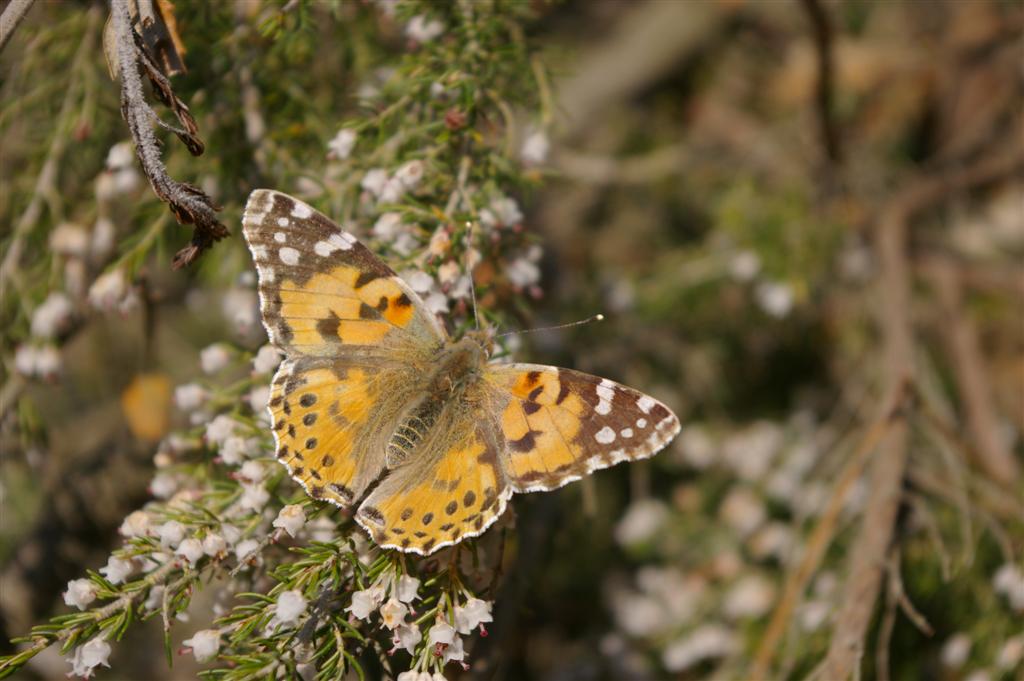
(472, 283)
(596, 318)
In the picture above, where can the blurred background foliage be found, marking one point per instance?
(718, 178)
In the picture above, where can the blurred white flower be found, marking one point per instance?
(205, 644)
(392, 191)
(245, 550)
(440, 241)
(111, 292)
(214, 544)
(502, 211)
(234, 449)
(290, 607)
(102, 241)
(88, 656)
(266, 360)
(418, 280)
(407, 636)
(171, 533)
(70, 239)
(253, 471)
(441, 632)
(813, 614)
(406, 588)
(978, 675)
(707, 642)
(214, 357)
(121, 155)
(190, 549)
(388, 226)
(742, 510)
(1009, 581)
(751, 451)
(774, 540)
(955, 650)
(341, 144)
(471, 615)
(163, 485)
(241, 307)
(448, 272)
(393, 613)
(410, 173)
(291, 518)
(437, 302)
(374, 181)
(744, 266)
(190, 396)
(751, 596)
(423, 30)
(522, 272)
(535, 148)
(137, 524)
(1011, 654)
(254, 497)
(775, 298)
(117, 569)
(697, 446)
(641, 521)
(365, 602)
(259, 400)
(220, 429)
(52, 316)
(80, 593)
(42, 361)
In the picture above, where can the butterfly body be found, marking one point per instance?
(375, 407)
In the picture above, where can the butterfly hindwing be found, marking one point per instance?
(322, 293)
(560, 424)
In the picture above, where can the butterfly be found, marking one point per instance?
(375, 407)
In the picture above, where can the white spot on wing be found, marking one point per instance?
(301, 211)
(645, 403)
(605, 436)
(641, 423)
(283, 222)
(335, 242)
(280, 237)
(626, 432)
(289, 256)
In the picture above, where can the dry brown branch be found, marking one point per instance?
(826, 76)
(961, 336)
(869, 550)
(11, 17)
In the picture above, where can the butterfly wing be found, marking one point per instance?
(324, 294)
(356, 339)
(559, 425)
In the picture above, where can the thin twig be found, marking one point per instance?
(826, 77)
(11, 17)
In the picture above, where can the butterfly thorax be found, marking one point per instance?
(456, 366)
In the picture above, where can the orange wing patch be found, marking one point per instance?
(421, 506)
(560, 425)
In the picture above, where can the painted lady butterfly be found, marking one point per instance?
(375, 405)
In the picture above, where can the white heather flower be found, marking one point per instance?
(120, 156)
(406, 244)
(775, 298)
(744, 266)
(244, 548)
(751, 596)
(365, 602)
(289, 607)
(392, 191)
(220, 429)
(418, 280)
(442, 632)
(266, 360)
(523, 273)
(374, 181)
(751, 451)
(454, 651)
(163, 485)
(88, 656)
(978, 675)
(440, 242)
(214, 357)
(111, 292)
(1009, 581)
(25, 360)
(387, 226)
(291, 518)
(535, 148)
(410, 173)
(698, 449)
(448, 272)
(437, 302)
(103, 235)
(259, 399)
(340, 147)
(707, 642)
(472, 614)
(501, 212)
(1011, 653)
(80, 593)
(423, 30)
(393, 613)
(641, 522)
(190, 396)
(461, 289)
(407, 636)
(774, 540)
(253, 471)
(137, 524)
(406, 588)
(52, 316)
(254, 497)
(190, 549)
(955, 650)
(234, 449)
(47, 360)
(205, 644)
(241, 307)
(117, 569)
(70, 239)
(813, 614)
(171, 533)
(214, 544)
(436, 676)
(742, 510)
